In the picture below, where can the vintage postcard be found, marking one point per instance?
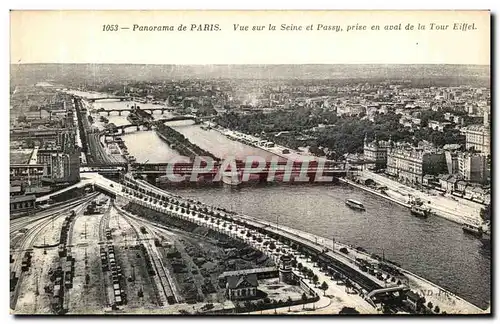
(250, 162)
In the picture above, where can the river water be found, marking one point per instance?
(433, 248)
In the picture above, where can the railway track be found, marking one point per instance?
(20, 223)
(69, 245)
(27, 241)
(164, 281)
(104, 223)
(104, 280)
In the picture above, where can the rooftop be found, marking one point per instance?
(246, 272)
(235, 282)
(412, 296)
(18, 199)
(15, 189)
(475, 128)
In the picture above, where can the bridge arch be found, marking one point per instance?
(109, 112)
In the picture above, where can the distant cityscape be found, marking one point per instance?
(441, 139)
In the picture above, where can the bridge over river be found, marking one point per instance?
(280, 170)
(129, 110)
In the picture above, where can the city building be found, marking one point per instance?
(16, 190)
(63, 167)
(412, 300)
(451, 162)
(430, 181)
(472, 167)
(438, 126)
(477, 137)
(459, 120)
(410, 164)
(447, 182)
(22, 203)
(461, 185)
(285, 269)
(487, 118)
(242, 287)
(376, 151)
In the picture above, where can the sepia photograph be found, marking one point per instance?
(218, 163)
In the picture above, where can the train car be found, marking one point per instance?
(26, 262)
(61, 250)
(118, 300)
(13, 280)
(68, 282)
(57, 291)
(108, 234)
(68, 270)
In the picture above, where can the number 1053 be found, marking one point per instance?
(109, 27)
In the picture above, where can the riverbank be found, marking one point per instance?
(180, 143)
(275, 149)
(370, 190)
(399, 199)
(444, 207)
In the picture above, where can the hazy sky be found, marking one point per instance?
(78, 37)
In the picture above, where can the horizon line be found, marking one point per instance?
(254, 64)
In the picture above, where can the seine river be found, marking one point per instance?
(433, 248)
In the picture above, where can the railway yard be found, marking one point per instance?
(95, 255)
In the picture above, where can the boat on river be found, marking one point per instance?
(486, 237)
(483, 231)
(354, 204)
(420, 211)
(472, 229)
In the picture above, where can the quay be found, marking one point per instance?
(370, 190)
(440, 206)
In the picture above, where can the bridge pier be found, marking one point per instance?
(151, 178)
(119, 113)
(123, 130)
(263, 177)
(109, 113)
(138, 127)
(162, 111)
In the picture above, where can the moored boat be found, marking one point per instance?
(486, 234)
(420, 211)
(486, 238)
(354, 204)
(473, 229)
